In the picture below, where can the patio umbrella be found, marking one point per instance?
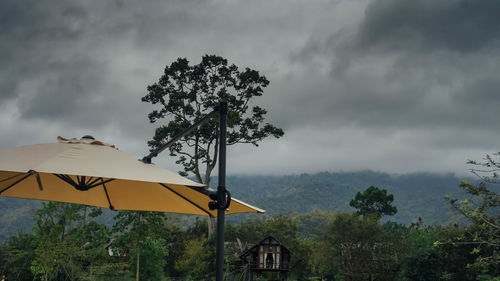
(94, 173)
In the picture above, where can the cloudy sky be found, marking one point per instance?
(387, 85)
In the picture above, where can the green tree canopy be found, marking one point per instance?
(374, 201)
(185, 93)
(69, 242)
(482, 210)
(359, 249)
(134, 227)
(153, 256)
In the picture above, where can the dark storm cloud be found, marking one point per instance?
(62, 58)
(380, 81)
(412, 64)
(65, 71)
(30, 32)
(453, 25)
(64, 88)
(55, 59)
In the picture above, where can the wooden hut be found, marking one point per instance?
(269, 255)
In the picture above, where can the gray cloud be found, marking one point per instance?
(356, 84)
(411, 64)
(64, 89)
(452, 25)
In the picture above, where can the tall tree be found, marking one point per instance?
(16, 256)
(136, 226)
(374, 201)
(185, 93)
(482, 211)
(69, 242)
(360, 248)
(57, 252)
(153, 254)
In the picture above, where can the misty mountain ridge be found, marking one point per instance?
(415, 195)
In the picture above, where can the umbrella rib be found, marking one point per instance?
(81, 180)
(200, 189)
(18, 181)
(91, 183)
(9, 178)
(103, 182)
(183, 197)
(66, 178)
(107, 195)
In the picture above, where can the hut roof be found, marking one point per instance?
(271, 241)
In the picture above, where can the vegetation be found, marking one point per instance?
(415, 195)
(482, 210)
(186, 93)
(68, 244)
(141, 229)
(374, 201)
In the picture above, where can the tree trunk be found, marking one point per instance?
(227, 272)
(137, 267)
(138, 250)
(211, 225)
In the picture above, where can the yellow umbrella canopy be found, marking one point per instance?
(94, 173)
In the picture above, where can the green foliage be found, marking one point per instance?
(132, 228)
(133, 225)
(197, 261)
(107, 271)
(66, 242)
(421, 259)
(174, 238)
(152, 256)
(185, 93)
(283, 228)
(16, 256)
(359, 248)
(311, 224)
(344, 247)
(456, 254)
(416, 195)
(482, 210)
(58, 249)
(374, 201)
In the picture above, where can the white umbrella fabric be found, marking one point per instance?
(94, 173)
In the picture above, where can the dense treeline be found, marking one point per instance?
(68, 244)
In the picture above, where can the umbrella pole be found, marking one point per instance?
(221, 192)
(222, 197)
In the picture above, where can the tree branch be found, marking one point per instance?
(197, 168)
(211, 166)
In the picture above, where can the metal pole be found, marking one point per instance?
(221, 192)
(222, 197)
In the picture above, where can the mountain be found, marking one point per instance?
(415, 195)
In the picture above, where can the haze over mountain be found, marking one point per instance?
(415, 195)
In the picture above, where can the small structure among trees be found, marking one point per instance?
(269, 255)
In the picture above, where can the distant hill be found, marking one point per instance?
(416, 195)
